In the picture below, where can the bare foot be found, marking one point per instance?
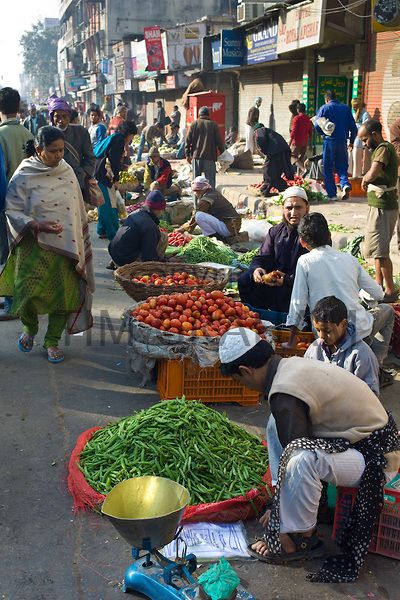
(288, 545)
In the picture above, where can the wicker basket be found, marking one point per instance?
(217, 278)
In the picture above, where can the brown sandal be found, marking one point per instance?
(307, 548)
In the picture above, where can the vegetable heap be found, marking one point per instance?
(171, 279)
(125, 177)
(204, 249)
(185, 441)
(178, 239)
(247, 257)
(197, 313)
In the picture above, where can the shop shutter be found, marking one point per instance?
(382, 82)
(252, 84)
(288, 86)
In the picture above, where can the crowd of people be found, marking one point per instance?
(327, 423)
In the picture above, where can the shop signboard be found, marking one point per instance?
(216, 53)
(339, 85)
(184, 45)
(301, 27)
(385, 15)
(154, 48)
(170, 82)
(261, 43)
(232, 47)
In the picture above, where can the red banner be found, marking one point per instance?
(154, 49)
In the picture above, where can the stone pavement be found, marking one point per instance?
(48, 553)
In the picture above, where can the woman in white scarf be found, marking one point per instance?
(49, 269)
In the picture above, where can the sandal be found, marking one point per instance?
(25, 342)
(55, 355)
(307, 548)
(385, 378)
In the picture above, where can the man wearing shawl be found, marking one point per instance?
(329, 426)
(277, 159)
(78, 152)
(49, 269)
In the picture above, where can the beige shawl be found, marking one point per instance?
(40, 193)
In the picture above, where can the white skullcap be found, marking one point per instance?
(295, 191)
(236, 342)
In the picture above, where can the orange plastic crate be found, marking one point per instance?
(178, 378)
(282, 335)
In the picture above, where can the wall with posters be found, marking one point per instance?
(184, 46)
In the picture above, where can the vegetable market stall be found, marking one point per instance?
(222, 465)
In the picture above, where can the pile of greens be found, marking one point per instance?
(185, 441)
(204, 249)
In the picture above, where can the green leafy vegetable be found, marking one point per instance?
(204, 249)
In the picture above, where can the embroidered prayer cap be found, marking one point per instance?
(200, 183)
(295, 191)
(236, 343)
(155, 200)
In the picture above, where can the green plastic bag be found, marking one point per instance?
(219, 581)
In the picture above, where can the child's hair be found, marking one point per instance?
(45, 136)
(329, 310)
(314, 231)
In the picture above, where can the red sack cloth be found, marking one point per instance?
(235, 509)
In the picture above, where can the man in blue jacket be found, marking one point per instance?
(336, 124)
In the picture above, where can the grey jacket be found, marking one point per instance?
(78, 137)
(353, 354)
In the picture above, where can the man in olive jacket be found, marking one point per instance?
(395, 140)
(203, 144)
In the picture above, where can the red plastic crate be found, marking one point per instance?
(386, 533)
(395, 342)
(178, 378)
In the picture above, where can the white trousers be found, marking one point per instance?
(301, 488)
(210, 225)
(249, 131)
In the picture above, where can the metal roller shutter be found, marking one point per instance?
(288, 86)
(252, 84)
(382, 82)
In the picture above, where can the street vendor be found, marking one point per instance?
(158, 175)
(277, 159)
(149, 136)
(328, 426)
(214, 214)
(269, 280)
(139, 238)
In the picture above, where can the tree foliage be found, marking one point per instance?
(39, 51)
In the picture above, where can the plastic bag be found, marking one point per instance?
(220, 580)
(224, 161)
(257, 229)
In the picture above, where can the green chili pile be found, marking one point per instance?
(185, 441)
(204, 249)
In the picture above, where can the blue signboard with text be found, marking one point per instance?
(261, 43)
(232, 47)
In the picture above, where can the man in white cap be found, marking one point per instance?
(327, 425)
(214, 214)
(278, 255)
(253, 118)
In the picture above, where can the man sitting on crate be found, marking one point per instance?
(327, 272)
(278, 256)
(328, 426)
(214, 214)
(140, 238)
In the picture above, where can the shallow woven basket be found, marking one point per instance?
(218, 278)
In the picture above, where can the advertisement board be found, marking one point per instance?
(261, 43)
(301, 27)
(154, 48)
(232, 47)
(339, 85)
(184, 45)
(385, 15)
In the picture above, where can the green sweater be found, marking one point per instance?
(13, 137)
(385, 154)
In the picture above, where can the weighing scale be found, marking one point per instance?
(147, 511)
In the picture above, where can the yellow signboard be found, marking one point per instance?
(385, 15)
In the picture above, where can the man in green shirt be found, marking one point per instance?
(380, 182)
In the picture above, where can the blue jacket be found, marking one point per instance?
(3, 181)
(340, 114)
(353, 354)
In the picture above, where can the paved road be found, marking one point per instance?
(48, 553)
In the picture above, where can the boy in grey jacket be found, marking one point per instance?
(339, 344)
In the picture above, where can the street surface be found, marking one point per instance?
(48, 553)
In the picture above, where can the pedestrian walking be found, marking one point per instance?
(336, 124)
(300, 135)
(277, 159)
(161, 116)
(293, 109)
(380, 182)
(203, 144)
(49, 270)
(360, 157)
(97, 129)
(13, 140)
(253, 117)
(78, 152)
(395, 140)
(34, 121)
(175, 117)
(149, 135)
(119, 117)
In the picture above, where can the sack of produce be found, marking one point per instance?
(179, 211)
(243, 161)
(221, 464)
(224, 161)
